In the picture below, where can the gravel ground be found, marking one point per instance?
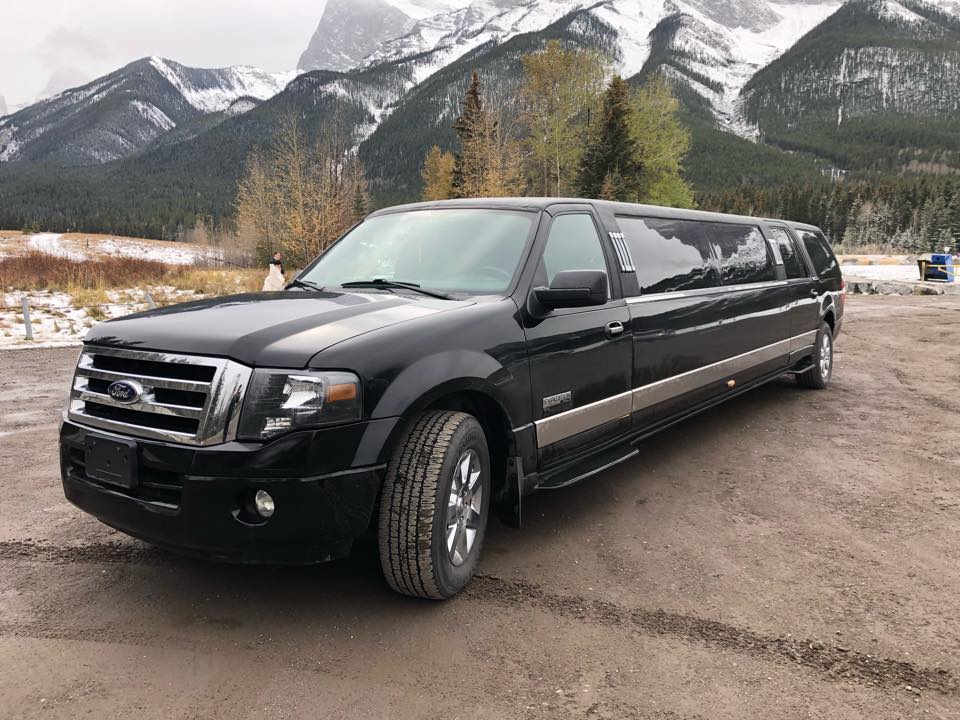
(793, 554)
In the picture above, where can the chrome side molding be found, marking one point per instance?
(573, 422)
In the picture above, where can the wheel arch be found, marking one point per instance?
(480, 399)
(830, 318)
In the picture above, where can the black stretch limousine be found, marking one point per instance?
(439, 361)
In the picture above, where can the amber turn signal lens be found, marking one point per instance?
(731, 383)
(339, 393)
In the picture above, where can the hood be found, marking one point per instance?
(283, 329)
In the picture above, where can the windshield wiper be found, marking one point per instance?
(305, 284)
(383, 283)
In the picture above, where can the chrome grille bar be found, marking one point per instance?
(214, 421)
(143, 406)
(157, 382)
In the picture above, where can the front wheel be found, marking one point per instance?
(818, 377)
(436, 499)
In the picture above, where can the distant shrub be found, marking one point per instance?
(88, 281)
(39, 271)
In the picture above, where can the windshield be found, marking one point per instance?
(453, 250)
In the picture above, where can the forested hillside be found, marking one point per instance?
(874, 87)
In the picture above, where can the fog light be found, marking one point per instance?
(263, 503)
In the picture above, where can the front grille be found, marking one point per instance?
(184, 398)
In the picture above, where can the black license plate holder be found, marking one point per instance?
(111, 461)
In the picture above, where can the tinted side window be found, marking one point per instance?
(670, 255)
(820, 254)
(792, 262)
(743, 254)
(573, 244)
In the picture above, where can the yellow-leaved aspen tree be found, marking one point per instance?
(560, 92)
(437, 174)
(662, 143)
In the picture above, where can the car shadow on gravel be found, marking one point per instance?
(585, 501)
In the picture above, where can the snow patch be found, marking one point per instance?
(52, 244)
(211, 91)
(241, 106)
(153, 115)
(903, 273)
(892, 10)
(79, 249)
(56, 321)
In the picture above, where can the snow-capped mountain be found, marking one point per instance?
(3, 106)
(713, 46)
(122, 113)
(398, 68)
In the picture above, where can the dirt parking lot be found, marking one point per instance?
(793, 554)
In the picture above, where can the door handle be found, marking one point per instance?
(615, 329)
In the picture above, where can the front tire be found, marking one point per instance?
(818, 377)
(435, 504)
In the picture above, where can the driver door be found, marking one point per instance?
(581, 359)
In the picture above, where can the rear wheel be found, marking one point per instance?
(436, 499)
(818, 377)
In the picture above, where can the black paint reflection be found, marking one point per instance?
(743, 254)
(670, 255)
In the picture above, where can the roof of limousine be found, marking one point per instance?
(536, 204)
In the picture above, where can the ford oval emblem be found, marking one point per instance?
(125, 391)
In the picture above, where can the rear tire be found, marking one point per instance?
(818, 377)
(435, 504)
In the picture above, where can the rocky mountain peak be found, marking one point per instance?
(349, 31)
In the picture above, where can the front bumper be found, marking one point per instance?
(196, 500)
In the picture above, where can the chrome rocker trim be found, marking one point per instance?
(573, 422)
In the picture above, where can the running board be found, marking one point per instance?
(587, 468)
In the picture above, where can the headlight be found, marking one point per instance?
(279, 401)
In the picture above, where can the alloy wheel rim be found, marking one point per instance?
(826, 356)
(464, 506)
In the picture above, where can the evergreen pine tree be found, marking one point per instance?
(360, 203)
(612, 150)
(469, 127)
(954, 214)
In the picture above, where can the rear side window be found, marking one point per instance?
(792, 262)
(670, 255)
(822, 257)
(743, 254)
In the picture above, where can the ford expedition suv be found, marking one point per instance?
(438, 363)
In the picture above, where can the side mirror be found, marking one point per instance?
(573, 289)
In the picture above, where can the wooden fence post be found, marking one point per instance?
(150, 303)
(26, 317)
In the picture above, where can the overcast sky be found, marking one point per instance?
(88, 38)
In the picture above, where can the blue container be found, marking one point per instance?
(941, 273)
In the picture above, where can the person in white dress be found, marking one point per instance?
(275, 280)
